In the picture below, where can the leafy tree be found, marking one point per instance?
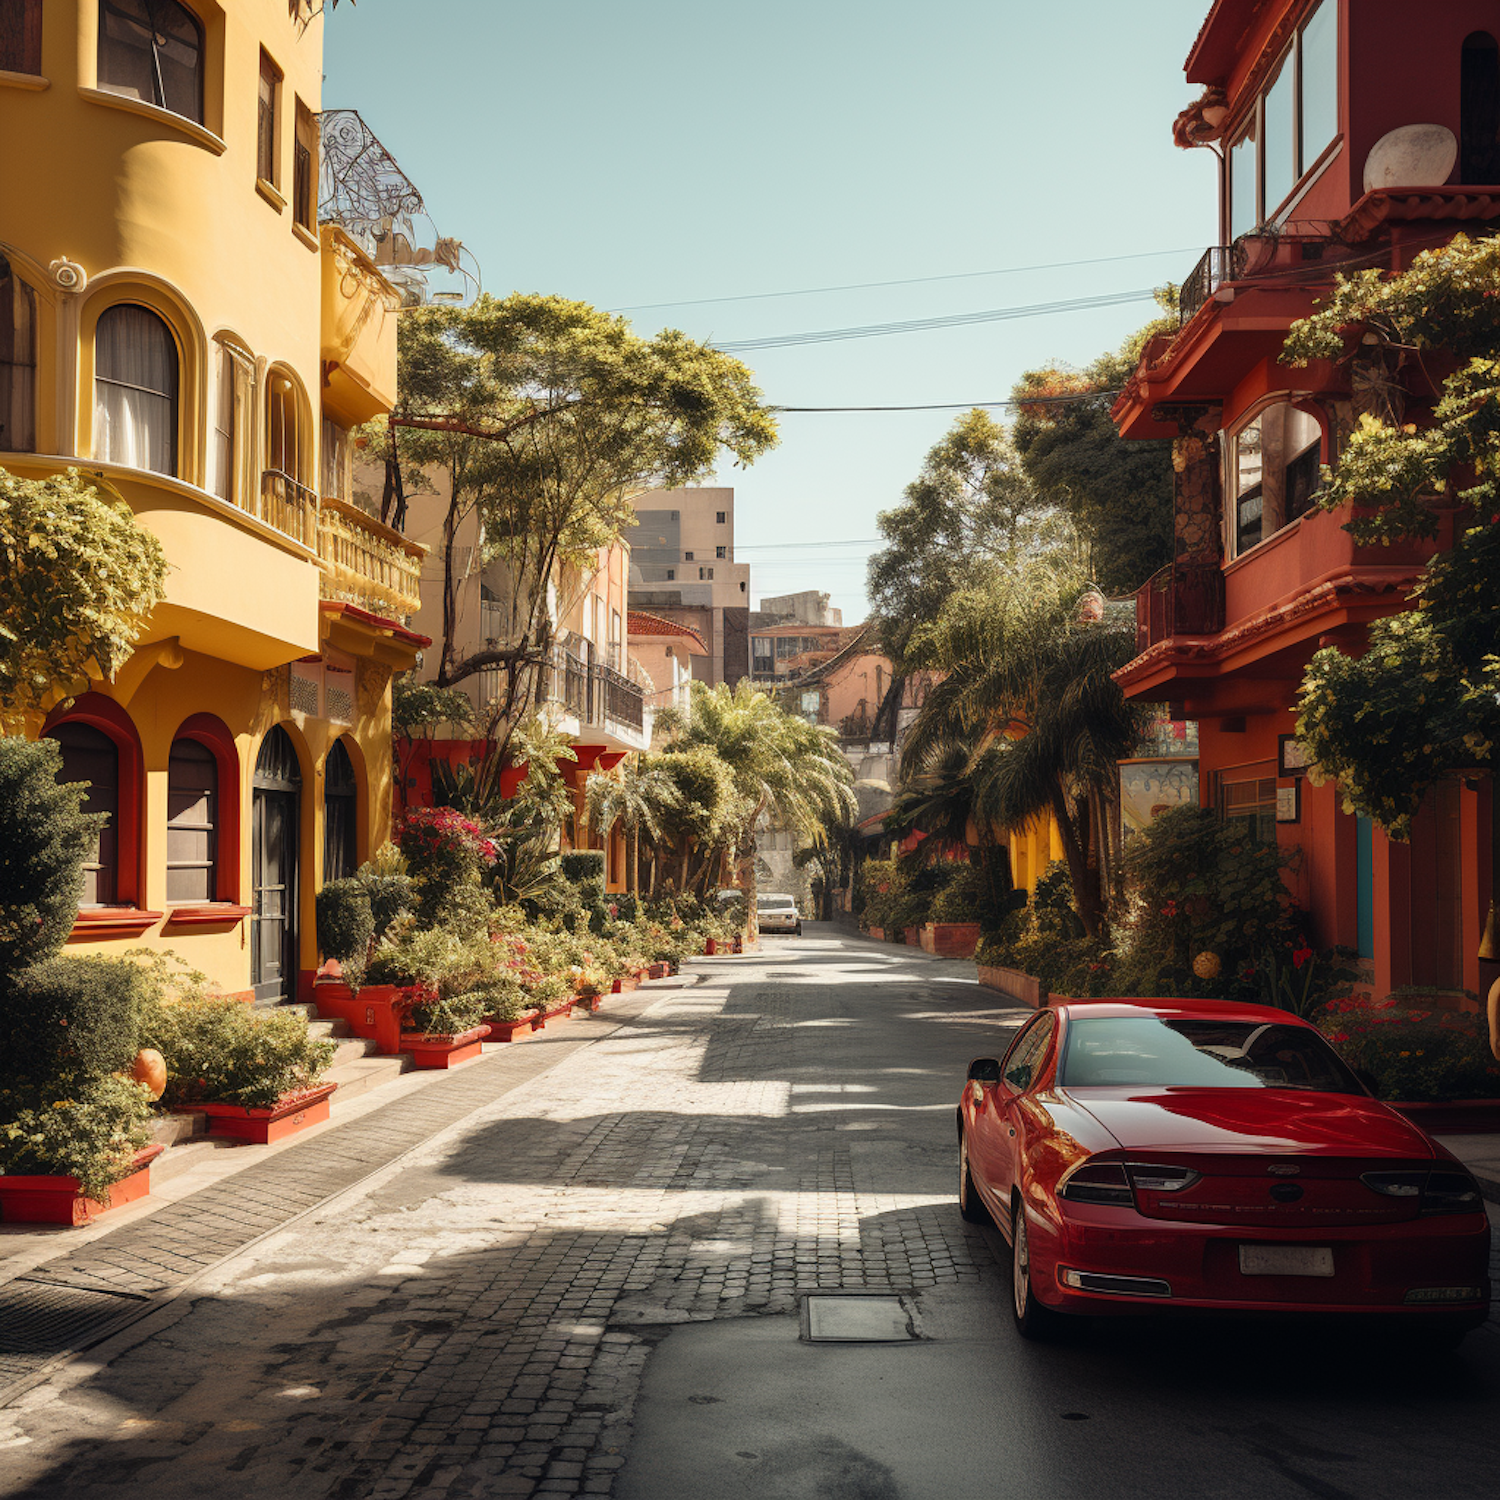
(1423, 699)
(1117, 494)
(968, 512)
(639, 799)
(539, 416)
(1030, 686)
(79, 580)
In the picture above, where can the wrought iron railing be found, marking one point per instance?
(592, 692)
(288, 505)
(567, 684)
(624, 701)
(1184, 598)
(1219, 264)
(367, 563)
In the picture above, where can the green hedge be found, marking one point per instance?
(75, 1017)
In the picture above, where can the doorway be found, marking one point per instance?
(275, 825)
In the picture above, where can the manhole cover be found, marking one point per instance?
(856, 1320)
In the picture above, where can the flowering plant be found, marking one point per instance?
(1414, 1052)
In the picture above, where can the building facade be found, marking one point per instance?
(177, 324)
(1352, 134)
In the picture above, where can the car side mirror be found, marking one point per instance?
(985, 1070)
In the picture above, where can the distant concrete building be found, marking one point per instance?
(806, 608)
(683, 569)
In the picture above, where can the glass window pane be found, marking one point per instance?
(126, 64)
(192, 789)
(1280, 157)
(135, 390)
(1244, 215)
(89, 755)
(17, 363)
(1320, 81)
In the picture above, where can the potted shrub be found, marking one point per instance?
(441, 1032)
(253, 1072)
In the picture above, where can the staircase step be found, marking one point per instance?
(365, 1073)
(337, 1029)
(353, 1048)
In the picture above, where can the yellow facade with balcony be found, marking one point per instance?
(175, 321)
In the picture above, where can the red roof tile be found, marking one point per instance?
(639, 622)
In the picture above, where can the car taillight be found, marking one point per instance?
(1446, 1191)
(1098, 1182)
(1154, 1179)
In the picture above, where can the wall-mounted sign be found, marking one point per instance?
(1289, 803)
(1292, 758)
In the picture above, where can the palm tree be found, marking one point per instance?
(638, 798)
(1029, 683)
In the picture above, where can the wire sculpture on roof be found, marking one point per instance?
(362, 188)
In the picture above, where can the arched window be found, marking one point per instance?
(192, 817)
(152, 50)
(17, 363)
(1479, 110)
(135, 389)
(285, 440)
(21, 36)
(340, 815)
(88, 754)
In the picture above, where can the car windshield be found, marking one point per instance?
(773, 903)
(1149, 1050)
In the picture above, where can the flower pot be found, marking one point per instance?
(509, 1030)
(625, 983)
(878, 934)
(290, 1113)
(912, 936)
(436, 1050)
(710, 946)
(56, 1200)
(557, 1013)
(950, 939)
(591, 1000)
(375, 1013)
(657, 971)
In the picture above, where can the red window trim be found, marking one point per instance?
(105, 715)
(213, 734)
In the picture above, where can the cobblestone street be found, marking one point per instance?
(475, 1319)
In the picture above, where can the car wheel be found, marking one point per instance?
(970, 1204)
(1033, 1321)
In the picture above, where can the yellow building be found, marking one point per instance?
(175, 321)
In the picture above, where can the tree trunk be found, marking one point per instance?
(1085, 886)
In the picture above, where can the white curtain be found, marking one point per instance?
(135, 390)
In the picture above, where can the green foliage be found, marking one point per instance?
(45, 836)
(1414, 1052)
(433, 957)
(584, 870)
(73, 1126)
(78, 579)
(72, 1017)
(222, 1051)
(346, 925)
(418, 708)
(450, 1015)
(387, 886)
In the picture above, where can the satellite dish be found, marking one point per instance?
(1413, 156)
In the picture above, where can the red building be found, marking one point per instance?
(1350, 133)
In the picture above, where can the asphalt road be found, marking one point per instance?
(591, 1285)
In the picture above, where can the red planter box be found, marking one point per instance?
(291, 1113)
(912, 936)
(710, 946)
(591, 1001)
(557, 1013)
(374, 1013)
(429, 1050)
(950, 939)
(626, 983)
(508, 1031)
(657, 971)
(56, 1200)
(1452, 1117)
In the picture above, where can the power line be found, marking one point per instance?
(924, 325)
(862, 286)
(1073, 400)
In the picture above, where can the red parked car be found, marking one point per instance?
(1143, 1155)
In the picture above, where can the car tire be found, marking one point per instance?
(1033, 1320)
(970, 1205)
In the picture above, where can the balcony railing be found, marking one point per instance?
(593, 693)
(289, 506)
(1182, 599)
(366, 563)
(1220, 263)
(623, 700)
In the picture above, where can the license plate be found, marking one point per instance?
(1286, 1260)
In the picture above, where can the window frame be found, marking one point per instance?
(304, 184)
(158, 99)
(268, 131)
(202, 755)
(174, 398)
(22, 371)
(1234, 546)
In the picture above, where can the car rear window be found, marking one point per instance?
(1151, 1050)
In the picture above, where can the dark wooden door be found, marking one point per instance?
(275, 824)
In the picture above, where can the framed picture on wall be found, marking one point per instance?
(1289, 803)
(1291, 756)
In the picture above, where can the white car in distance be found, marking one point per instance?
(775, 912)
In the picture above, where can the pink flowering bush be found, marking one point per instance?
(1415, 1052)
(444, 852)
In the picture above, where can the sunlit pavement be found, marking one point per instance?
(477, 1319)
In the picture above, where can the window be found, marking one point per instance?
(17, 363)
(1289, 126)
(1274, 464)
(267, 121)
(283, 427)
(232, 377)
(304, 169)
(21, 36)
(88, 754)
(340, 814)
(719, 517)
(671, 575)
(1020, 1065)
(707, 573)
(192, 807)
(152, 50)
(721, 551)
(687, 557)
(1250, 803)
(1479, 110)
(336, 480)
(762, 656)
(135, 389)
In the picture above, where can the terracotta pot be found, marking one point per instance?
(290, 1113)
(57, 1200)
(558, 1012)
(508, 1031)
(433, 1050)
(150, 1068)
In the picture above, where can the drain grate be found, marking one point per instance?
(48, 1317)
(856, 1320)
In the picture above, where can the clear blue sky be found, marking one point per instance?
(662, 151)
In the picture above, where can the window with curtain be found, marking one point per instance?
(340, 813)
(17, 363)
(304, 168)
(88, 754)
(283, 427)
(1479, 110)
(227, 384)
(152, 50)
(135, 389)
(21, 36)
(192, 807)
(266, 155)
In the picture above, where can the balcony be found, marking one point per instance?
(358, 332)
(366, 563)
(287, 505)
(1181, 599)
(1219, 264)
(604, 702)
